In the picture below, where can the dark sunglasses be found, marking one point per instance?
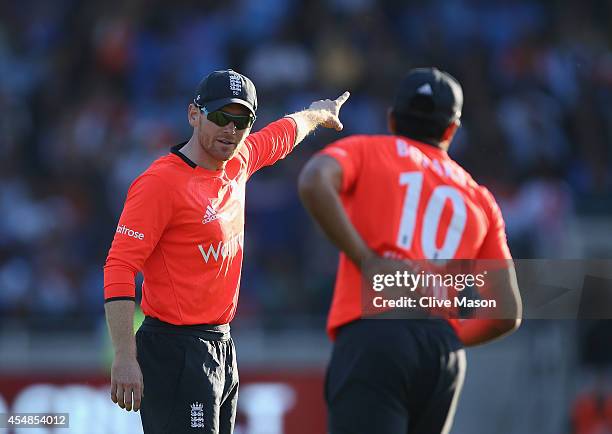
(222, 118)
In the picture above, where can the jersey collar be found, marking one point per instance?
(176, 151)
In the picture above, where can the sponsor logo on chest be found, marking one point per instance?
(210, 215)
(228, 214)
(212, 252)
(230, 210)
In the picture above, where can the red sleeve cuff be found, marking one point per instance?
(119, 282)
(295, 131)
(122, 291)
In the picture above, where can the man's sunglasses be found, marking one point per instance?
(222, 118)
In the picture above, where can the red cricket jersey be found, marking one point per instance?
(183, 227)
(409, 200)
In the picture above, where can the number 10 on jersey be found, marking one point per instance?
(431, 217)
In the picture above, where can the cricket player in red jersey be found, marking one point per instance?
(182, 225)
(401, 196)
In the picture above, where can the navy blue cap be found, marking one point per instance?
(429, 93)
(220, 88)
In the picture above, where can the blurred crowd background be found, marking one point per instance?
(92, 92)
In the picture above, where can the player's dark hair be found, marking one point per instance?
(418, 128)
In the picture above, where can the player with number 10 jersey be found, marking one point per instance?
(387, 202)
(431, 209)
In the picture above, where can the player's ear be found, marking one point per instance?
(192, 114)
(391, 122)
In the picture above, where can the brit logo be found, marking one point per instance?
(211, 215)
(197, 415)
(235, 83)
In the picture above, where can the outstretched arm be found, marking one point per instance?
(278, 139)
(320, 113)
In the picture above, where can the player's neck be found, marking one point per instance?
(443, 146)
(200, 156)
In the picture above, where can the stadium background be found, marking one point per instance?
(92, 92)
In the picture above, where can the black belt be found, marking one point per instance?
(209, 332)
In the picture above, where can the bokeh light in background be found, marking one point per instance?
(92, 92)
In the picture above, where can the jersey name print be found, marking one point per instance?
(409, 200)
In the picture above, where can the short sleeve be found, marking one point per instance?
(495, 244)
(146, 213)
(348, 153)
(270, 144)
